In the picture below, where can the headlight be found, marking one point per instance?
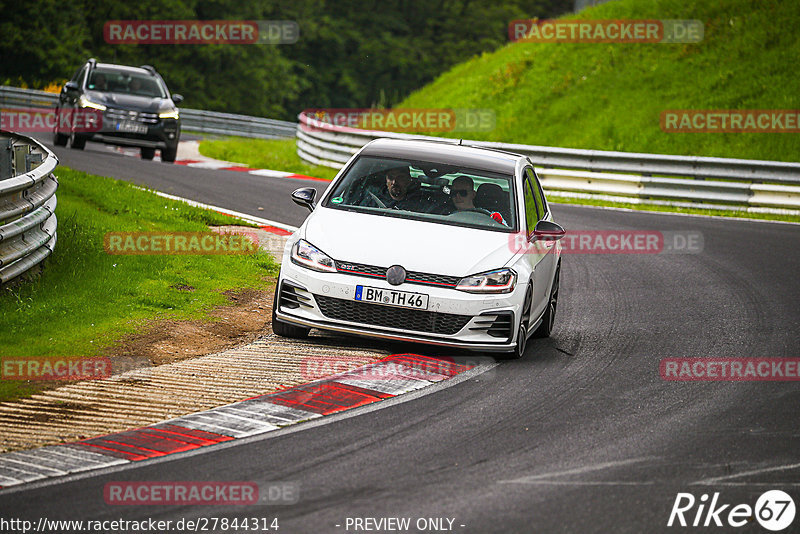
(86, 103)
(307, 255)
(499, 281)
(172, 114)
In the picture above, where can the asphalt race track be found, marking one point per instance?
(582, 435)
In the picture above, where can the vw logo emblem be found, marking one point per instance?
(395, 275)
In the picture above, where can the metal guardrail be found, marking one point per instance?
(27, 204)
(755, 185)
(191, 119)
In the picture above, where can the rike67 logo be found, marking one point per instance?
(774, 510)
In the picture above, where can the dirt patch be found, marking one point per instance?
(246, 318)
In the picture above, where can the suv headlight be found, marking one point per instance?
(84, 102)
(307, 255)
(498, 281)
(170, 114)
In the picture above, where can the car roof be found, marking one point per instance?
(111, 66)
(444, 152)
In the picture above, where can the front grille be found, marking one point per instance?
(378, 315)
(137, 116)
(412, 277)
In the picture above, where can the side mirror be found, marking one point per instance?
(177, 98)
(548, 231)
(70, 87)
(305, 197)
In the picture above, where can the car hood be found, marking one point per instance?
(131, 102)
(417, 246)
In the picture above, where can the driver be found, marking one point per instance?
(401, 191)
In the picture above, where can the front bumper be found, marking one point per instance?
(453, 318)
(164, 133)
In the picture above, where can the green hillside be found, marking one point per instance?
(610, 96)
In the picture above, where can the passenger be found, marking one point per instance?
(462, 193)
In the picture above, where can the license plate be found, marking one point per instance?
(390, 297)
(131, 127)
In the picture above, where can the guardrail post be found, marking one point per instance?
(6, 167)
(20, 155)
(32, 161)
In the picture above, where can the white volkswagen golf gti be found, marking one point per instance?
(427, 242)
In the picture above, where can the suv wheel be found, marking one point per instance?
(169, 154)
(59, 139)
(76, 141)
(148, 153)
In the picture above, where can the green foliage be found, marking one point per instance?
(350, 53)
(274, 154)
(86, 298)
(610, 96)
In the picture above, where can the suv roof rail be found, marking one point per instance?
(149, 68)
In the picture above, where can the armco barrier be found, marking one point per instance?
(27, 204)
(191, 119)
(752, 185)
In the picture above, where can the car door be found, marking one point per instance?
(541, 255)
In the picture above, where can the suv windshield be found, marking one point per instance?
(429, 191)
(126, 82)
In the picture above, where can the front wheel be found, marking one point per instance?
(522, 331)
(169, 154)
(546, 328)
(148, 153)
(77, 142)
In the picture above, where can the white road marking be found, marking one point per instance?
(541, 479)
(717, 480)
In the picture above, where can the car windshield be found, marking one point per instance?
(126, 82)
(429, 191)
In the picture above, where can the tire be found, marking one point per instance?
(522, 331)
(77, 142)
(169, 154)
(59, 139)
(148, 153)
(282, 329)
(546, 328)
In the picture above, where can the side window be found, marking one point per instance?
(531, 215)
(537, 194)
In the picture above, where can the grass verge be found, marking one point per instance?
(85, 299)
(273, 154)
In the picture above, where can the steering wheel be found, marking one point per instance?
(376, 199)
